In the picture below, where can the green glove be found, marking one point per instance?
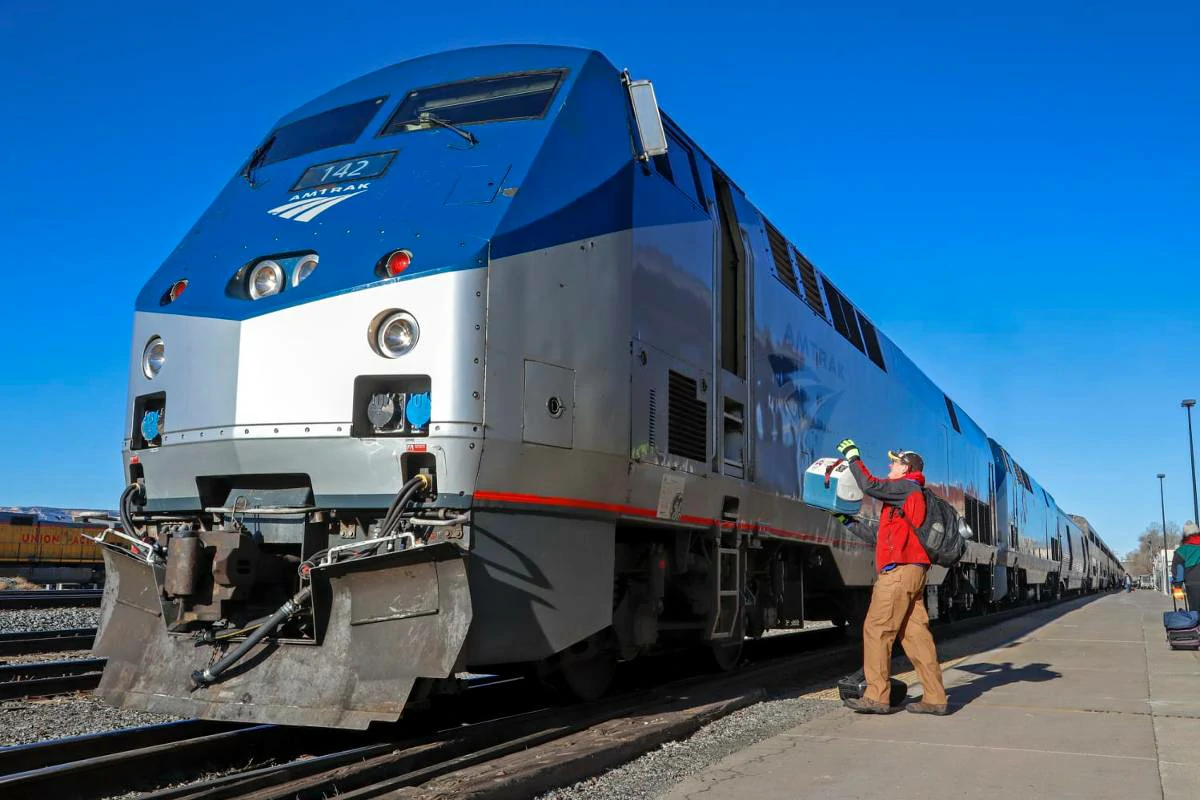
(848, 449)
(845, 519)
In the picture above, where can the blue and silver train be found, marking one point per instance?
(479, 362)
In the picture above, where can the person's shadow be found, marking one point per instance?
(991, 676)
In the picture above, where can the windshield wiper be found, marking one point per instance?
(255, 157)
(426, 117)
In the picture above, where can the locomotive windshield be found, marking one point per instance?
(331, 128)
(504, 97)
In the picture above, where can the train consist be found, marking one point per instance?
(481, 363)
(50, 545)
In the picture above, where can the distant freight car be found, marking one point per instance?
(49, 547)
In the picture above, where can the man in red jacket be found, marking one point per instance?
(897, 609)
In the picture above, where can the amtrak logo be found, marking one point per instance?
(305, 206)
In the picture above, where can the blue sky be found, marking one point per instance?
(1011, 191)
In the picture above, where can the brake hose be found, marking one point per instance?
(210, 675)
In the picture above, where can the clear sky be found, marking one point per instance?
(1010, 190)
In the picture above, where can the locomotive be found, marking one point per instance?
(479, 362)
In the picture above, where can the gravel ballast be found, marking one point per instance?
(654, 773)
(13, 620)
(25, 722)
(28, 721)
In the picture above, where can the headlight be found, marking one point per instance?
(153, 357)
(397, 334)
(304, 267)
(266, 279)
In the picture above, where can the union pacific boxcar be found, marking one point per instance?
(49, 546)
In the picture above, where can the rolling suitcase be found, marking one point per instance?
(1183, 627)
(853, 686)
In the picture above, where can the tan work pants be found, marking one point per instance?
(898, 611)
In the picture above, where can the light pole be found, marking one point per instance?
(1163, 505)
(1187, 404)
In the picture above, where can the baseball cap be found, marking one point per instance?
(910, 458)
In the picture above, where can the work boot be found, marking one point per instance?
(865, 706)
(921, 707)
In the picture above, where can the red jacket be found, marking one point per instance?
(896, 542)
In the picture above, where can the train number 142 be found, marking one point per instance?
(344, 171)
(351, 169)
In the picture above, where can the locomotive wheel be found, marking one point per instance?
(584, 671)
(725, 655)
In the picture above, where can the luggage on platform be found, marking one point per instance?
(1180, 620)
(854, 686)
(1183, 626)
(828, 484)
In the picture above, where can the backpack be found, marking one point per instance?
(944, 533)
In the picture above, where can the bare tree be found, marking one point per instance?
(1138, 563)
(1148, 556)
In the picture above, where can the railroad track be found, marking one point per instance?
(52, 598)
(63, 639)
(490, 719)
(451, 753)
(278, 761)
(45, 678)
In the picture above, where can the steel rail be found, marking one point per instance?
(95, 765)
(44, 678)
(51, 598)
(23, 642)
(55, 752)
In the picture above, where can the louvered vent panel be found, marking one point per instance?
(783, 262)
(687, 419)
(985, 523)
(812, 290)
(653, 418)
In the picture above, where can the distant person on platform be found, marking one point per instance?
(897, 609)
(1187, 557)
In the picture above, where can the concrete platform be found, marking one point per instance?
(1090, 704)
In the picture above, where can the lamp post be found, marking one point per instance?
(1163, 505)
(1187, 405)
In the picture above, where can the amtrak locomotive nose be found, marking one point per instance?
(307, 398)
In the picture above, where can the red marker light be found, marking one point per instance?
(173, 292)
(134, 460)
(397, 262)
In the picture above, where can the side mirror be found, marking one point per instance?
(653, 138)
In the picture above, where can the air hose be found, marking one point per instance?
(125, 508)
(210, 675)
(415, 484)
(135, 495)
